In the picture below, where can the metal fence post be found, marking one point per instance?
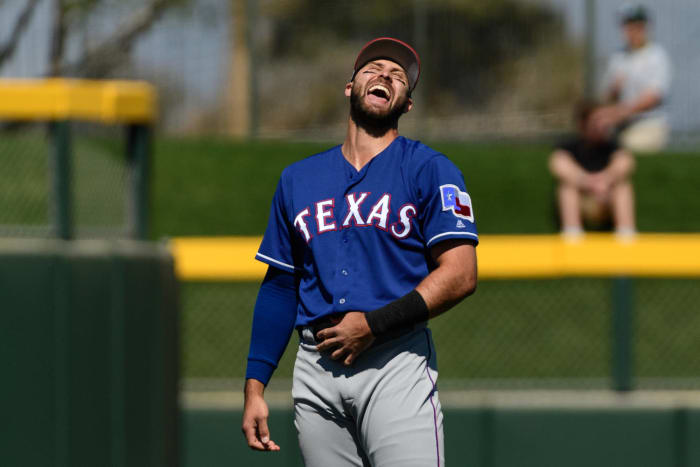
(590, 68)
(682, 443)
(622, 320)
(117, 335)
(138, 156)
(61, 202)
(420, 34)
(252, 12)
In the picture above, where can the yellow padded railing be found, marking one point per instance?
(499, 256)
(108, 102)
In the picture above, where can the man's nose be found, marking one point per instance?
(385, 74)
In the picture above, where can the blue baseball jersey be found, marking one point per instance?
(361, 239)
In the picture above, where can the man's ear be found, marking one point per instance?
(348, 89)
(408, 105)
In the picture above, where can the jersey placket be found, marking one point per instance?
(346, 259)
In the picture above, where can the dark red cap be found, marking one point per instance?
(394, 50)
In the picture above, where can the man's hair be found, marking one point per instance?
(633, 13)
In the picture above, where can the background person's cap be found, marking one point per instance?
(633, 12)
(394, 50)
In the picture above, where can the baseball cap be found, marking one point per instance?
(632, 12)
(394, 50)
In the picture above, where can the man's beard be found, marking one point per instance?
(376, 124)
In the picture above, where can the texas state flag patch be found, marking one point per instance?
(459, 202)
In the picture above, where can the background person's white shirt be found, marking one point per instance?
(640, 70)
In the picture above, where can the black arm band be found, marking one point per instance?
(399, 314)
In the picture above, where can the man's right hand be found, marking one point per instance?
(255, 415)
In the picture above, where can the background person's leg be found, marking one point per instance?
(645, 136)
(622, 200)
(569, 198)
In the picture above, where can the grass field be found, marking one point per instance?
(220, 187)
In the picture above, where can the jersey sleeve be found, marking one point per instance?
(445, 207)
(276, 247)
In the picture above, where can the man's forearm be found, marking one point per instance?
(621, 166)
(444, 287)
(453, 280)
(563, 167)
(646, 101)
(253, 388)
(273, 323)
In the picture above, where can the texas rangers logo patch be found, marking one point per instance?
(459, 202)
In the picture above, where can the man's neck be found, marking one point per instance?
(360, 147)
(638, 46)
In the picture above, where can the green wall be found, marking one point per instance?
(480, 437)
(89, 354)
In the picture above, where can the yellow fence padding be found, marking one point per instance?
(108, 102)
(499, 256)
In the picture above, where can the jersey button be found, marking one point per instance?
(341, 301)
(344, 272)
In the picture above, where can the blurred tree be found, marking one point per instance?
(239, 111)
(468, 40)
(8, 48)
(97, 61)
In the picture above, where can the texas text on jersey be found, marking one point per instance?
(327, 219)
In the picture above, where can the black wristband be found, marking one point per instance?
(401, 313)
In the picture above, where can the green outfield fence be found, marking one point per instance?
(546, 314)
(537, 368)
(88, 318)
(74, 158)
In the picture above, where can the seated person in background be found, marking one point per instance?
(593, 175)
(636, 87)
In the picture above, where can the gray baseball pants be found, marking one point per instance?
(383, 411)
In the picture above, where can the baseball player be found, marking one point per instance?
(365, 242)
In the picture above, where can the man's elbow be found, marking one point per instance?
(471, 285)
(467, 286)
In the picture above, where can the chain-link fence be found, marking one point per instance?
(25, 186)
(98, 172)
(100, 180)
(511, 334)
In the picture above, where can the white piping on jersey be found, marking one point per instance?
(276, 262)
(452, 233)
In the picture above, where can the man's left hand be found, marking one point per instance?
(347, 339)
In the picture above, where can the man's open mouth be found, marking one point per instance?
(380, 91)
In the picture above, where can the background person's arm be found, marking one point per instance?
(565, 168)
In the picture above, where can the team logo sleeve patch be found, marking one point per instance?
(457, 201)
